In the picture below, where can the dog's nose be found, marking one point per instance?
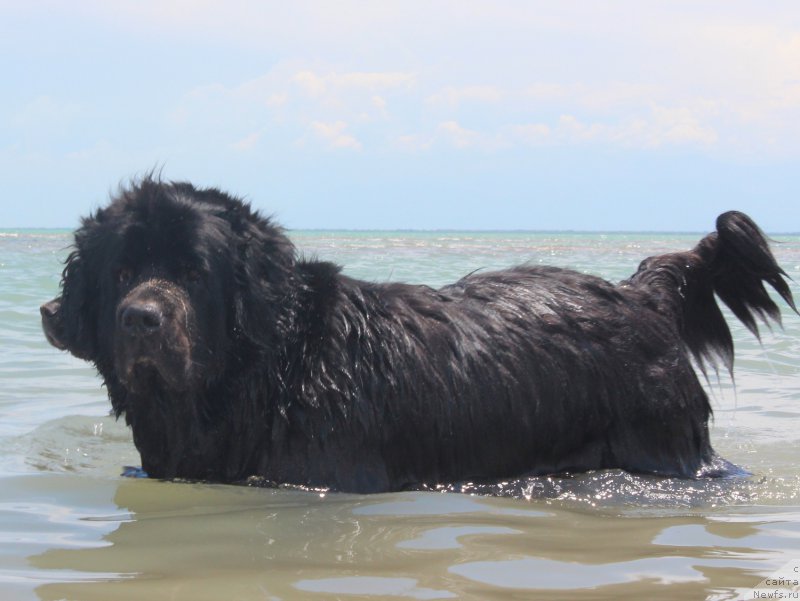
(50, 309)
(141, 319)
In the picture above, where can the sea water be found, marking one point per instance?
(72, 528)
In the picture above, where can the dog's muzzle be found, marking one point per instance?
(154, 336)
(51, 323)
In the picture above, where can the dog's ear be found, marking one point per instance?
(265, 279)
(75, 309)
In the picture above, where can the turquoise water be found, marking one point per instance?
(71, 528)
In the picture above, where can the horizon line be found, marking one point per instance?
(22, 229)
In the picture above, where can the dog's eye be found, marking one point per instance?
(193, 275)
(124, 275)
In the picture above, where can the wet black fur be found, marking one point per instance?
(303, 375)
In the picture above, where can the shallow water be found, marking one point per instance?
(72, 528)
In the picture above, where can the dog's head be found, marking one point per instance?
(167, 284)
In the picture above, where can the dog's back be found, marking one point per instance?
(536, 370)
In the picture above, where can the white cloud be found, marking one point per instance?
(451, 134)
(458, 136)
(413, 142)
(277, 99)
(572, 129)
(331, 83)
(546, 91)
(680, 126)
(663, 127)
(720, 79)
(310, 82)
(616, 95)
(247, 143)
(334, 135)
(531, 133)
(373, 81)
(453, 96)
(656, 128)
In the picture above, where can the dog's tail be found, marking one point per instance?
(733, 262)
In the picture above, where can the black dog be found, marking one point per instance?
(231, 357)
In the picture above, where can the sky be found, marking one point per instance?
(442, 114)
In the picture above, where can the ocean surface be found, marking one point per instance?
(72, 528)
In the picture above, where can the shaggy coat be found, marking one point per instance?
(231, 357)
